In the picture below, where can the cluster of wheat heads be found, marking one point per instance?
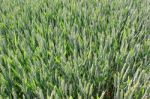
(76, 49)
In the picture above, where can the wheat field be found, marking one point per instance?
(74, 49)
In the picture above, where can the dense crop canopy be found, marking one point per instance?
(69, 49)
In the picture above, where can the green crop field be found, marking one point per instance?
(74, 49)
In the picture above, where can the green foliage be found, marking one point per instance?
(72, 49)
